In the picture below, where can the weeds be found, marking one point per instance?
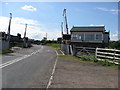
(55, 46)
(6, 51)
(91, 59)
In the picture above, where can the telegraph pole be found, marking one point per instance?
(8, 33)
(46, 35)
(25, 36)
(25, 30)
(62, 28)
(65, 18)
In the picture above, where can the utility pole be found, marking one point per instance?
(8, 33)
(25, 45)
(25, 30)
(65, 18)
(62, 28)
(46, 35)
(65, 37)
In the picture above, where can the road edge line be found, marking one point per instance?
(56, 52)
(53, 71)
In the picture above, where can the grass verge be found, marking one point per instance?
(6, 52)
(55, 46)
(93, 61)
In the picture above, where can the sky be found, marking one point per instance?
(46, 17)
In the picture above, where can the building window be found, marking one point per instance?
(81, 36)
(98, 36)
(72, 36)
(78, 37)
(89, 37)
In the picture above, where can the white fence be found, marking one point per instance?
(110, 55)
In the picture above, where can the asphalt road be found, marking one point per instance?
(40, 67)
(28, 68)
(74, 73)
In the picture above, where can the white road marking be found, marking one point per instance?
(56, 52)
(53, 71)
(19, 59)
(62, 52)
(59, 54)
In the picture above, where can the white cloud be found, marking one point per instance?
(35, 30)
(114, 36)
(29, 8)
(19, 20)
(6, 3)
(113, 11)
(96, 25)
(103, 9)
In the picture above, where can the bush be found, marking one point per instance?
(114, 44)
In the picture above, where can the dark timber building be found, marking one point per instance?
(91, 36)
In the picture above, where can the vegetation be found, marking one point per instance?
(90, 59)
(6, 51)
(48, 41)
(55, 46)
(114, 44)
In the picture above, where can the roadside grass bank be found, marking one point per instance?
(55, 46)
(90, 59)
(6, 52)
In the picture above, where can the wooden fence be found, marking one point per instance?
(110, 55)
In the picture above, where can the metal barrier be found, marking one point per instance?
(84, 51)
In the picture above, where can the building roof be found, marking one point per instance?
(88, 29)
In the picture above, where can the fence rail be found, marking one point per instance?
(110, 55)
(88, 49)
(101, 54)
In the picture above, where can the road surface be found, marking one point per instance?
(73, 73)
(28, 68)
(40, 67)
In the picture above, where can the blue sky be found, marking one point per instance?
(45, 17)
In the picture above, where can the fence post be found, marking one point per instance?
(74, 50)
(68, 49)
(114, 56)
(71, 50)
(96, 53)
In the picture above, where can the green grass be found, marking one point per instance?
(55, 46)
(103, 63)
(94, 61)
(6, 51)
